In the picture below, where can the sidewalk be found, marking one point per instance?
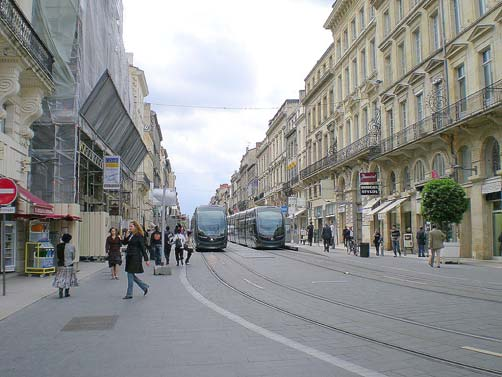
(22, 290)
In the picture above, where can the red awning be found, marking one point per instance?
(40, 207)
(63, 217)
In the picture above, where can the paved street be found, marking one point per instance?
(281, 313)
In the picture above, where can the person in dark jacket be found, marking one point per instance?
(395, 235)
(112, 248)
(377, 240)
(156, 246)
(310, 233)
(345, 234)
(65, 276)
(135, 241)
(326, 237)
(168, 243)
(421, 241)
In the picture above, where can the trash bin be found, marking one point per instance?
(364, 250)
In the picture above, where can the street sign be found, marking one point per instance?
(111, 173)
(370, 190)
(7, 210)
(370, 177)
(284, 210)
(8, 191)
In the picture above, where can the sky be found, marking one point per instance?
(221, 53)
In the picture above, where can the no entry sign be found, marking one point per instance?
(8, 191)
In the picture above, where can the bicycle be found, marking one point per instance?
(352, 247)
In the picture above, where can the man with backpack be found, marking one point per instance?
(168, 242)
(156, 246)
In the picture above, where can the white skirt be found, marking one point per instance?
(65, 278)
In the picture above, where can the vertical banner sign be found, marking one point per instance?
(111, 173)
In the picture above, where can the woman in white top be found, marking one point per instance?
(179, 244)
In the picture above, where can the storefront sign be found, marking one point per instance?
(4, 210)
(408, 240)
(111, 173)
(341, 208)
(370, 190)
(370, 177)
(91, 155)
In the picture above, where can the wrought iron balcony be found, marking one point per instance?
(472, 105)
(13, 18)
(293, 181)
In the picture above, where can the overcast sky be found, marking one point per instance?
(222, 53)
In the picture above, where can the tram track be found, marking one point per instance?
(421, 354)
(359, 308)
(448, 292)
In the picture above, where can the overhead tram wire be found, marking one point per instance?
(247, 108)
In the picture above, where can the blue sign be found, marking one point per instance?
(284, 209)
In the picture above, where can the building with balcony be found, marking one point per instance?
(441, 106)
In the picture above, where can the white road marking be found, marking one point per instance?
(329, 281)
(253, 284)
(409, 281)
(333, 360)
(491, 353)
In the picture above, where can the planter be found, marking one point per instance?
(451, 252)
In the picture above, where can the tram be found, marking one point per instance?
(259, 227)
(209, 227)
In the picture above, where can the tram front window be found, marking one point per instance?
(270, 224)
(211, 223)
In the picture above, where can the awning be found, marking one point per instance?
(393, 205)
(299, 212)
(380, 207)
(368, 206)
(39, 206)
(63, 217)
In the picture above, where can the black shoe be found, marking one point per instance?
(67, 293)
(60, 292)
(126, 297)
(145, 291)
(177, 264)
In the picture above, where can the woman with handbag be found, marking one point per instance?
(135, 241)
(112, 247)
(189, 246)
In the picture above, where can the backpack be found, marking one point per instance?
(178, 244)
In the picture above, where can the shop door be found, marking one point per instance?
(497, 234)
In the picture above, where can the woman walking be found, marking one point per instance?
(377, 240)
(179, 246)
(112, 247)
(135, 242)
(189, 246)
(65, 276)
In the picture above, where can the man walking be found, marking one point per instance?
(395, 234)
(333, 230)
(326, 237)
(421, 238)
(436, 243)
(345, 234)
(310, 233)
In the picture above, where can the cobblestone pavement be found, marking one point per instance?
(190, 324)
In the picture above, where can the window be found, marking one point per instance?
(417, 44)
(419, 172)
(390, 122)
(338, 49)
(466, 164)
(403, 114)
(362, 20)
(347, 81)
(345, 40)
(461, 88)
(400, 9)
(349, 133)
(363, 64)
(438, 165)
(365, 120)
(393, 184)
(419, 106)
(356, 127)
(372, 12)
(487, 67)
(386, 23)
(324, 107)
(401, 55)
(331, 101)
(456, 16)
(340, 94)
(353, 29)
(436, 37)
(406, 179)
(388, 70)
(492, 158)
(373, 54)
(482, 7)
(354, 74)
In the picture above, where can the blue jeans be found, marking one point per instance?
(157, 253)
(421, 250)
(131, 277)
(395, 247)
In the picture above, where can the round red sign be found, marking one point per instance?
(8, 191)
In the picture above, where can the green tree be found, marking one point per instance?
(443, 202)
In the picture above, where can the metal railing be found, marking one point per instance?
(14, 19)
(476, 103)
